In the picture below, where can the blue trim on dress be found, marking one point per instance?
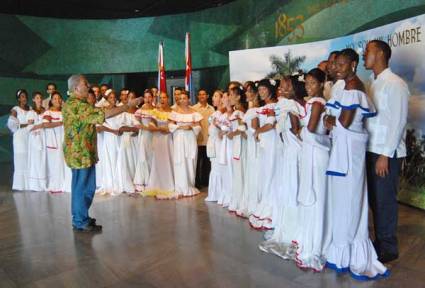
(369, 114)
(334, 267)
(334, 173)
(367, 278)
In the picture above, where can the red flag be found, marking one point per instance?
(162, 86)
(188, 78)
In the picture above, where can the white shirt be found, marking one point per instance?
(387, 131)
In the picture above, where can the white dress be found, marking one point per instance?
(58, 173)
(285, 210)
(144, 151)
(161, 178)
(224, 160)
(20, 148)
(109, 161)
(238, 161)
(215, 186)
(250, 188)
(99, 163)
(37, 162)
(261, 217)
(313, 234)
(185, 149)
(350, 248)
(126, 154)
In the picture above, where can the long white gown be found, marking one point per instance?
(250, 188)
(126, 167)
(161, 178)
(215, 186)
(144, 151)
(20, 148)
(350, 248)
(58, 173)
(99, 163)
(37, 161)
(185, 149)
(285, 207)
(313, 230)
(261, 217)
(224, 160)
(109, 160)
(238, 161)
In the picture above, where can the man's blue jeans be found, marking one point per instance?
(83, 188)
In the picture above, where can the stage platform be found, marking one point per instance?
(151, 243)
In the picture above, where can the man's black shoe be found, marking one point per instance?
(89, 229)
(92, 221)
(387, 257)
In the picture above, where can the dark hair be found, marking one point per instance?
(178, 88)
(104, 84)
(299, 88)
(19, 92)
(148, 91)
(91, 91)
(384, 47)
(35, 93)
(336, 53)
(53, 94)
(202, 89)
(132, 91)
(352, 55)
(266, 83)
(250, 84)
(241, 92)
(317, 74)
(49, 84)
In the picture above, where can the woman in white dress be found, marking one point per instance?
(238, 137)
(58, 174)
(185, 126)
(351, 248)
(265, 135)
(215, 186)
(126, 153)
(111, 146)
(17, 123)
(250, 197)
(144, 151)
(224, 153)
(37, 162)
(161, 178)
(285, 208)
(313, 230)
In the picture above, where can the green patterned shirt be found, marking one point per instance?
(79, 121)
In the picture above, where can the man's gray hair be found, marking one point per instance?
(73, 82)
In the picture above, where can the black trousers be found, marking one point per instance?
(203, 168)
(383, 203)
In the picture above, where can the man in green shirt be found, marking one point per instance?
(80, 149)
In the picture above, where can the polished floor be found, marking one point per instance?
(150, 243)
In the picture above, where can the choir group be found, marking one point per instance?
(289, 155)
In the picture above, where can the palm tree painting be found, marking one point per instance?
(286, 65)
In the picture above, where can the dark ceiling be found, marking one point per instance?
(105, 9)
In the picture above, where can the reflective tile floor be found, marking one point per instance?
(150, 243)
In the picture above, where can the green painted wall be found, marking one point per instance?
(34, 51)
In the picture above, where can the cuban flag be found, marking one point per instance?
(188, 79)
(162, 86)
